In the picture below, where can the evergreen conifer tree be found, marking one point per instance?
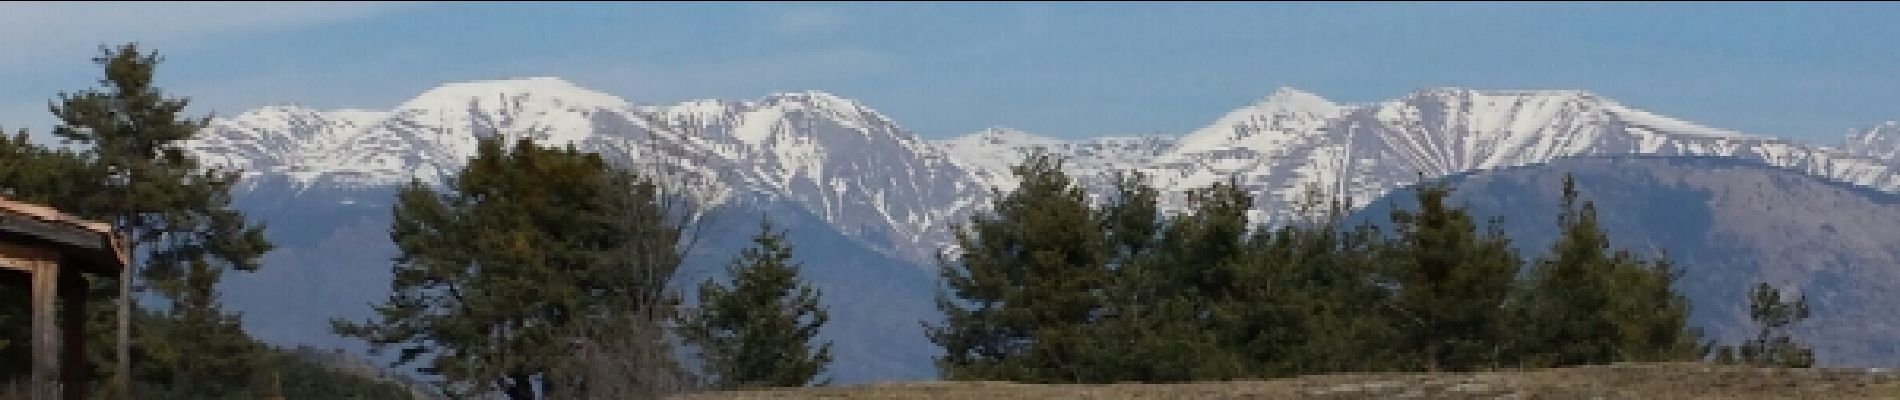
(506, 275)
(1451, 281)
(128, 171)
(1150, 332)
(755, 331)
(1774, 344)
(1586, 304)
(1027, 283)
(182, 231)
(1317, 280)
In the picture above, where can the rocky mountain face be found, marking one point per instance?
(870, 202)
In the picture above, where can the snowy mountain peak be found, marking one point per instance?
(1364, 151)
(1875, 131)
(991, 151)
(275, 109)
(1290, 100)
(809, 100)
(1880, 141)
(813, 96)
(1503, 101)
(831, 156)
(1005, 136)
(1266, 124)
(512, 92)
(817, 100)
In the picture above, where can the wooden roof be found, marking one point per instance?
(91, 244)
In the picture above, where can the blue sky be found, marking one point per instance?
(1807, 71)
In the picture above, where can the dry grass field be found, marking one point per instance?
(1622, 381)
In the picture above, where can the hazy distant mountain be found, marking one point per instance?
(1727, 224)
(869, 202)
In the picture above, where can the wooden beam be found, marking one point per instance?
(72, 324)
(45, 339)
(55, 232)
(102, 262)
(20, 257)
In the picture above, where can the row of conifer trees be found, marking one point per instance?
(1054, 287)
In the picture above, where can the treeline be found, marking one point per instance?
(1051, 287)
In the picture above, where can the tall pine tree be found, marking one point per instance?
(755, 331)
(1310, 287)
(183, 233)
(1199, 260)
(1149, 332)
(1586, 304)
(1452, 281)
(507, 274)
(1028, 280)
(126, 171)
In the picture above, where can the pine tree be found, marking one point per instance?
(1774, 344)
(1653, 319)
(754, 332)
(1564, 305)
(1203, 276)
(1148, 332)
(1586, 304)
(1451, 282)
(183, 233)
(44, 175)
(1026, 284)
(1131, 220)
(507, 274)
(1317, 279)
(1199, 246)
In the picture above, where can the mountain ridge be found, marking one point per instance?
(803, 146)
(859, 169)
(879, 201)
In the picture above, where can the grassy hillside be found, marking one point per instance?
(1623, 381)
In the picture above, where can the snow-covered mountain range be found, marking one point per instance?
(1293, 142)
(848, 164)
(874, 180)
(869, 202)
